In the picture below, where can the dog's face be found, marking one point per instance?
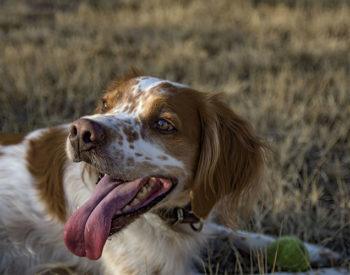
(145, 127)
(156, 144)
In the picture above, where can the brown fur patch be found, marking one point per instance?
(132, 73)
(130, 133)
(230, 163)
(46, 158)
(181, 110)
(11, 139)
(114, 93)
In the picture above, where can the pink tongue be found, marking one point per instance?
(87, 230)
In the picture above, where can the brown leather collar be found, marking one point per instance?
(181, 215)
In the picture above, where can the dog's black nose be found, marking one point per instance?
(86, 134)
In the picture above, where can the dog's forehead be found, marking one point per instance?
(137, 94)
(144, 84)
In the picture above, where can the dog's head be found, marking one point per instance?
(158, 144)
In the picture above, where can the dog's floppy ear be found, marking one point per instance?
(230, 159)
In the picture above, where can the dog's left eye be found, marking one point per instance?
(164, 126)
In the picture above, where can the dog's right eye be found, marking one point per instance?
(164, 126)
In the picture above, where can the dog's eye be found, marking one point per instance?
(164, 126)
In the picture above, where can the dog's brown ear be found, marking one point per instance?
(230, 161)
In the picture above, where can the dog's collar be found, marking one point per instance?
(178, 215)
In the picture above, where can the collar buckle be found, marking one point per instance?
(179, 215)
(184, 215)
(197, 226)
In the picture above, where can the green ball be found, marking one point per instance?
(289, 254)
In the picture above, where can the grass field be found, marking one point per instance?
(284, 65)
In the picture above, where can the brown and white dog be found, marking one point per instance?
(124, 191)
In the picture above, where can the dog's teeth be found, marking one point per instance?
(142, 194)
(144, 189)
(152, 180)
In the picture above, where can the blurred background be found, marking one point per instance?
(284, 65)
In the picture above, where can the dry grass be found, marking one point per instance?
(285, 65)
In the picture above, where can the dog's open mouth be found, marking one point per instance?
(113, 205)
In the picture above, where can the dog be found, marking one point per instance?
(128, 189)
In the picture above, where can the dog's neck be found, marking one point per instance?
(136, 250)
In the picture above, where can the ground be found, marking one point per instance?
(284, 65)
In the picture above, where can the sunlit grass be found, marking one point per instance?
(285, 65)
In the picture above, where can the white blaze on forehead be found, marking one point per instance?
(146, 83)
